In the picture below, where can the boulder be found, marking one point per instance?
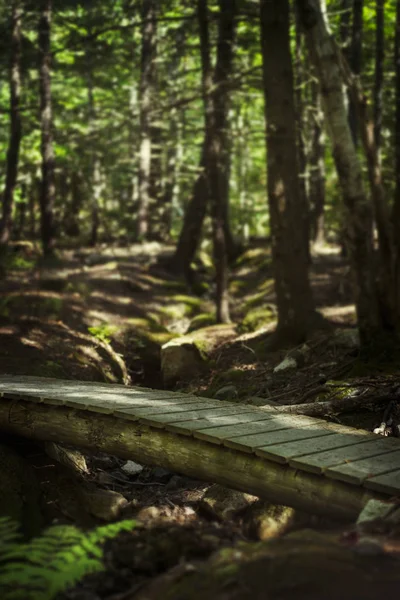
(186, 357)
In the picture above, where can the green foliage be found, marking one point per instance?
(257, 318)
(49, 564)
(103, 332)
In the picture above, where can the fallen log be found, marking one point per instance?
(275, 482)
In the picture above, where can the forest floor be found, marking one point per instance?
(103, 316)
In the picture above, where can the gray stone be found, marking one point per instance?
(228, 392)
(223, 503)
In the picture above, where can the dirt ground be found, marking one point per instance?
(103, 316)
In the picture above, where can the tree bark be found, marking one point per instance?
(396, 205)
(15, 125)
(379, 66)
(359, 214)
(289, 236)
(147, 83)
(216, 101)
(355, 55)
(317, 168)
(47, 195)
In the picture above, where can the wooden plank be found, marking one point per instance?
(389, 483)
(188, 427)
(318, 463)
(283, 452)
(272, 423)
(360, 470)
(170, 417)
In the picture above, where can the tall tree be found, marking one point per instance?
(396, 204)
(317, 167)
(356, 59)
(379, 63)
(15, 124)
(296, 314)
(47, 195)
(323, 55)
(217, 160)
(147, 87)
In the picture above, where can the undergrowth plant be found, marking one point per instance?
(47, 565)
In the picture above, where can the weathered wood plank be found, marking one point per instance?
(389, 483)
(186, 455)
(239, 433)
(170, 417)
(189, 427)
(254, 443)
(282, 452)
(360, 470)
(318, 463)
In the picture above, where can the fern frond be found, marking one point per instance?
(47, 565)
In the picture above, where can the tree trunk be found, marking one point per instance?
(323, 55)
(304, 174)
(217, 158)
(356, 60)
(15, 125)
(379, 65)
(147, 83)
(317, 168)
(190, 236)
(47, 195)
(289, 236)
(396, 205)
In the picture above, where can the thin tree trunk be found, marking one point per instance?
(147, 83)
(217, 161)
(15, 125)
(323, 55)
(317, 167)
(94, 162)
(356, 60)
(47, 195)
(379, 65)
(299, 81)
(289, 235)
(190, 236)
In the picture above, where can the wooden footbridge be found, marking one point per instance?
(299, 461)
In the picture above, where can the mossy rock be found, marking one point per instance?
(202, 320)
(257, 318)
(187, 357)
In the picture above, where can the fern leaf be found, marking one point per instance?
(47, 565)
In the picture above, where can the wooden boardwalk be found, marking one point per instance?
(173, 429)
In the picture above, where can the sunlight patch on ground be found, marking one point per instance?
(339, 311)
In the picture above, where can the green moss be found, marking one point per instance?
(189, 300)
(237, 285)
(78, 287)
(254, 256)
(257, 318)
(103, 332)
(149, 329)
(257, 300)
(202, 320)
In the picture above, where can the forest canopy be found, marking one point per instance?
(210, 124)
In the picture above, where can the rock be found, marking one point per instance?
(131, 468)
(287, 363)
(223, 503)
(160, 475)
(264, 520)
(70, 458)
(228, 392)
(186, 357)
(346, 338)
(104, 504)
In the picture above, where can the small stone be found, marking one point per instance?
(224, 503)
(131, 468)
(160, 475)
(287, 363)
(228, 392)
(104, 504)
(264, 520)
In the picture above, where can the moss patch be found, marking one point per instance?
(202, 320)
(257, 318)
